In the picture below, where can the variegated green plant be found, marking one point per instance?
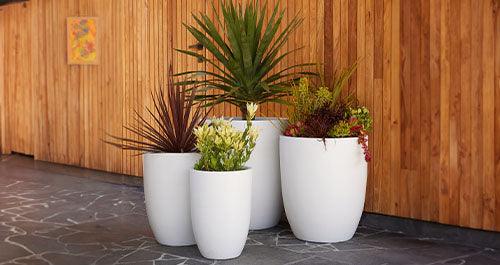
(224, 148)
(246, 52)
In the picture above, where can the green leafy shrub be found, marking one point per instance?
(245, 43)
(355, 119)
(224, 148)
(341, 129)
(362, 118)
(306, 100)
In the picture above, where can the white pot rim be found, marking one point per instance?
(221, 172)
(320, 139)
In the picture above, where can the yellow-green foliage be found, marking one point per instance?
(341, 129)
(307, 99)
(323, 98)
(355, 117)
(362, 117)
(321, 111)
(224, 148)
(302, 100)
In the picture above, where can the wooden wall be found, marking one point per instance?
(59, 112)
(16, 119)
(429, 71)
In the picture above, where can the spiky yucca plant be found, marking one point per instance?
(248, 58)
(173, 120)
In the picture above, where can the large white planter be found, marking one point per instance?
(166, 190)
(324, 186)
(267, 203)
(220, 211)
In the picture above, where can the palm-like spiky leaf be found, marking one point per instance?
(243, 64)
(174, 118)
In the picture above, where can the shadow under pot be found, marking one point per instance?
(220, 211)
(324, 186)
(166, 191)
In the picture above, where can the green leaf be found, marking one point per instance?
(279, 101)
(245, 45)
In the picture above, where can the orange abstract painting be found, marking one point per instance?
(82, 40)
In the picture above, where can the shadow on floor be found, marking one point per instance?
(51, 215)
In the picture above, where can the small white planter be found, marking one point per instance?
(166, 190)
(267, 203)
(220, 211)
(324, 186)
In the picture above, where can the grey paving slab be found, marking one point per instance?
(54, 218)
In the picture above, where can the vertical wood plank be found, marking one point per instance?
(455, 125)
(389, 197)
(351, 36)
(465, 113)
(414, 177)
(488, 196)
(425, 111)
(369, 60)
(435, 70)
(497, 115)
(369, 47)
(395, 97)
(444, 158)
(3, 142)
(377, 108)
(405, 107)
(360, 52)
(328, 41)
(476, 122)
(337, 64)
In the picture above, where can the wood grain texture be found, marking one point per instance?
(464, 166)
(61, 113)
(3, 108)
(431, 81)
(429, 70)
(496, 9)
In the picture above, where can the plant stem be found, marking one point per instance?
(243, 111)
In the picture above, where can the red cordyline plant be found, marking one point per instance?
(174, 117)
(322, 112)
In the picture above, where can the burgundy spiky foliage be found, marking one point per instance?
(173, 119)
(319, 123)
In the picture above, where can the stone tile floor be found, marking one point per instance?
(51, 218)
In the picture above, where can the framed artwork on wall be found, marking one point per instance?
(83, 40)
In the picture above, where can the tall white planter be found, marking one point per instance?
(166, 190)
(267, 203)
(324, 186)
(220, 211)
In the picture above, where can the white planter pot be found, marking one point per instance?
(220, 211)
(267, 203)
(324, 186)
(166, 190)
